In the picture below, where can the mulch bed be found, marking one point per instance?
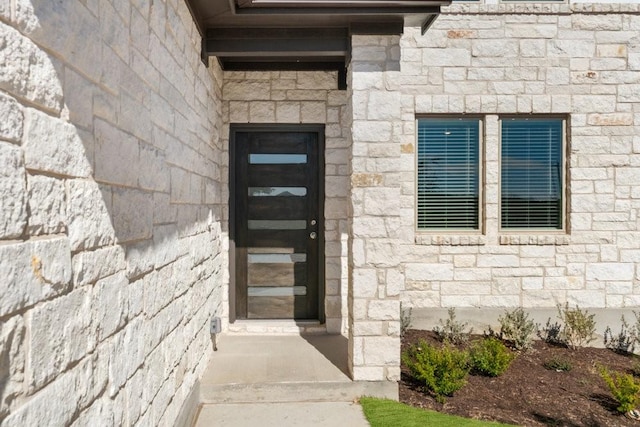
(528, 394)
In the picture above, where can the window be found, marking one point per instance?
(448, 174)
(532, 174)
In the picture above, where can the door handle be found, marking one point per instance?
(313, 235)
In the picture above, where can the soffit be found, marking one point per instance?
(299, 34)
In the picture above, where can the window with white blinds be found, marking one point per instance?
(448, 174)
(532, 174)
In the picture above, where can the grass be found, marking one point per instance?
(388, 413)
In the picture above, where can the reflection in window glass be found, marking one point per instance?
(532, 173)
(277, 191)
(276, 258)
(255, 224)
(277, 159)
(448, 173)
(279, 291)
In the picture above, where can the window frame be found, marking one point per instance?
(564, 150)
(480, 230)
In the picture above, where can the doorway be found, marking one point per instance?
(276, 222)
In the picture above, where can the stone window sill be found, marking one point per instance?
(535, 239)
(451, 239)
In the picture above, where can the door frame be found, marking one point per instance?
(318, 129)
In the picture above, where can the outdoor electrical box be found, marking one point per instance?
(216, 326)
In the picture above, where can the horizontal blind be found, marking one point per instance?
(531, 195)
(448, 177)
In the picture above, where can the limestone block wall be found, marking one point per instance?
(111, 248)
(379, 135)
(291, 97)
(581, 61)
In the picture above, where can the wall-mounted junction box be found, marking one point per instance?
(216, 325)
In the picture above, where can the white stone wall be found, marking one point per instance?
(377, 133)
(111, 249)
(291, 97)
(581, 61)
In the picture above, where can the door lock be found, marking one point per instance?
(314, 222)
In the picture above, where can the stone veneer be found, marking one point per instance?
(292, 98)
(113, 214)
(579, 61)
(111, 250)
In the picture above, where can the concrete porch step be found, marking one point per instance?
(332, 391)
(284, 368)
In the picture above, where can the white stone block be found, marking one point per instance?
(127, 356)
(384, 310)
(429, 272)
(369, 131)
(363, 329)
(571, 48)
(109, 306)
(262, 112)
(584, 299)
(381, 351)
(47, 205)
(365, 283)
(33, 271)
(11, 119)
(90, 266)
(491, 260)
(60, 334)
(450, 57)
(495, 48)
(132, 214)
(394, 282)
(12, 365)
(52, 145)
(80, 386)
(313, 112)
(384, 106)
(88, 215)
(27, 72)
(375, 373)
(246, 91)
(610, 271)
(465, 288)
(13, 206)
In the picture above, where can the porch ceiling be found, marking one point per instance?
(299, 34)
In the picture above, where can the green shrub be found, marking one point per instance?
(558, 364)
(624, 342)
(624, 388)
(517, 328)
(442, 370)
(579, 326)
(452, 330)
(551, 333)
(490, 357)
(405, 320)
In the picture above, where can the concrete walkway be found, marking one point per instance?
(283, 381)
(298, 414)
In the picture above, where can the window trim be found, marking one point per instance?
(564, 149)
(481, 118)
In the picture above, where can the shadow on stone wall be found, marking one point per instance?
(111, 210)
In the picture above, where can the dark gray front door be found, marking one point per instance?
(277, 222)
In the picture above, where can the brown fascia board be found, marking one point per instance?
(339, 4)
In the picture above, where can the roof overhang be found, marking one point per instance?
(299, 34)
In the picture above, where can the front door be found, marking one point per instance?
(277, 221)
